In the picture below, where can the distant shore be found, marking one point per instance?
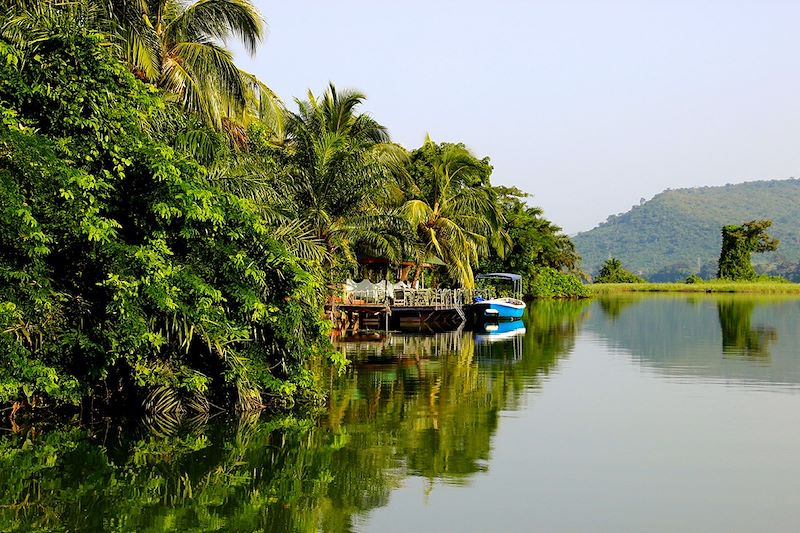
(756, 287)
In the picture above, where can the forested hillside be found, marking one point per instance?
(677, 233)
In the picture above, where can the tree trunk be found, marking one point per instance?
(417, 273)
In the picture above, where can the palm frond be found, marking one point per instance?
(219, 20)
(176, 79)
(416, 211)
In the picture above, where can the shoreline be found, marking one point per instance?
(728, 287)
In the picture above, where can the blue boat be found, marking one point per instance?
(504, 307)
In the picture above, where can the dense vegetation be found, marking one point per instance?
(123, 267)
(169, 231)
(677, 233)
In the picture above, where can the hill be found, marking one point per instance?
(677, 233)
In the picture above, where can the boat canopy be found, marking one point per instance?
(515, 279)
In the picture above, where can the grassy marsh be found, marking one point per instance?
(713, 286)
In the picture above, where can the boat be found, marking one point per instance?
(503, 307)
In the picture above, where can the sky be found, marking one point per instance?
(589, 106)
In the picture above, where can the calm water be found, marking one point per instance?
(629, 414)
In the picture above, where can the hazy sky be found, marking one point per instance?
(588, 105)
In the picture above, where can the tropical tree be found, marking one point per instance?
(738, 243)
(334, 172)
(536, 241)
(176, 46)
(612, 272)
(452, 208)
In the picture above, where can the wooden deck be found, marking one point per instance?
(427, 309)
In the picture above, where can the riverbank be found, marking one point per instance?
(756, 287)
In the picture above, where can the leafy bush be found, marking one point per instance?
(694, 278)
(550, 283)
(537, 247)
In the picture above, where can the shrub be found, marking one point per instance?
(550, 283)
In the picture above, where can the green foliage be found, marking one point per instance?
(550, 283)
(612, 272)
(334, 169)
(452, 209)
(122, 269)
(180, 47)
(738, 243)
(677, 232)
(694, 278)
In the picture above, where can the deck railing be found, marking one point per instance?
(436, 298)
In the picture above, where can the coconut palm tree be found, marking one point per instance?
(176, 46)
(337, 167)
(453, 209)
(191, 61)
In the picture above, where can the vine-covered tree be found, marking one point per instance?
(612, 272)
(738, 243)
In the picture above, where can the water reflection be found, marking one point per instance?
(734, 339)
(429, 406)
(436, 399)
(407, 406)
(612, 307)
(739, 338)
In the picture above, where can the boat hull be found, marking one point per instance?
(503, 311)
(498, 309)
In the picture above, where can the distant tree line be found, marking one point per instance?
(738, 245)
(677, 233)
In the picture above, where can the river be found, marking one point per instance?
(624, 414)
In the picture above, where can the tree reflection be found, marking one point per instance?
(612, 307)
(425, 406)
(738, 335)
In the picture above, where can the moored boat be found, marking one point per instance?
(501, 308)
